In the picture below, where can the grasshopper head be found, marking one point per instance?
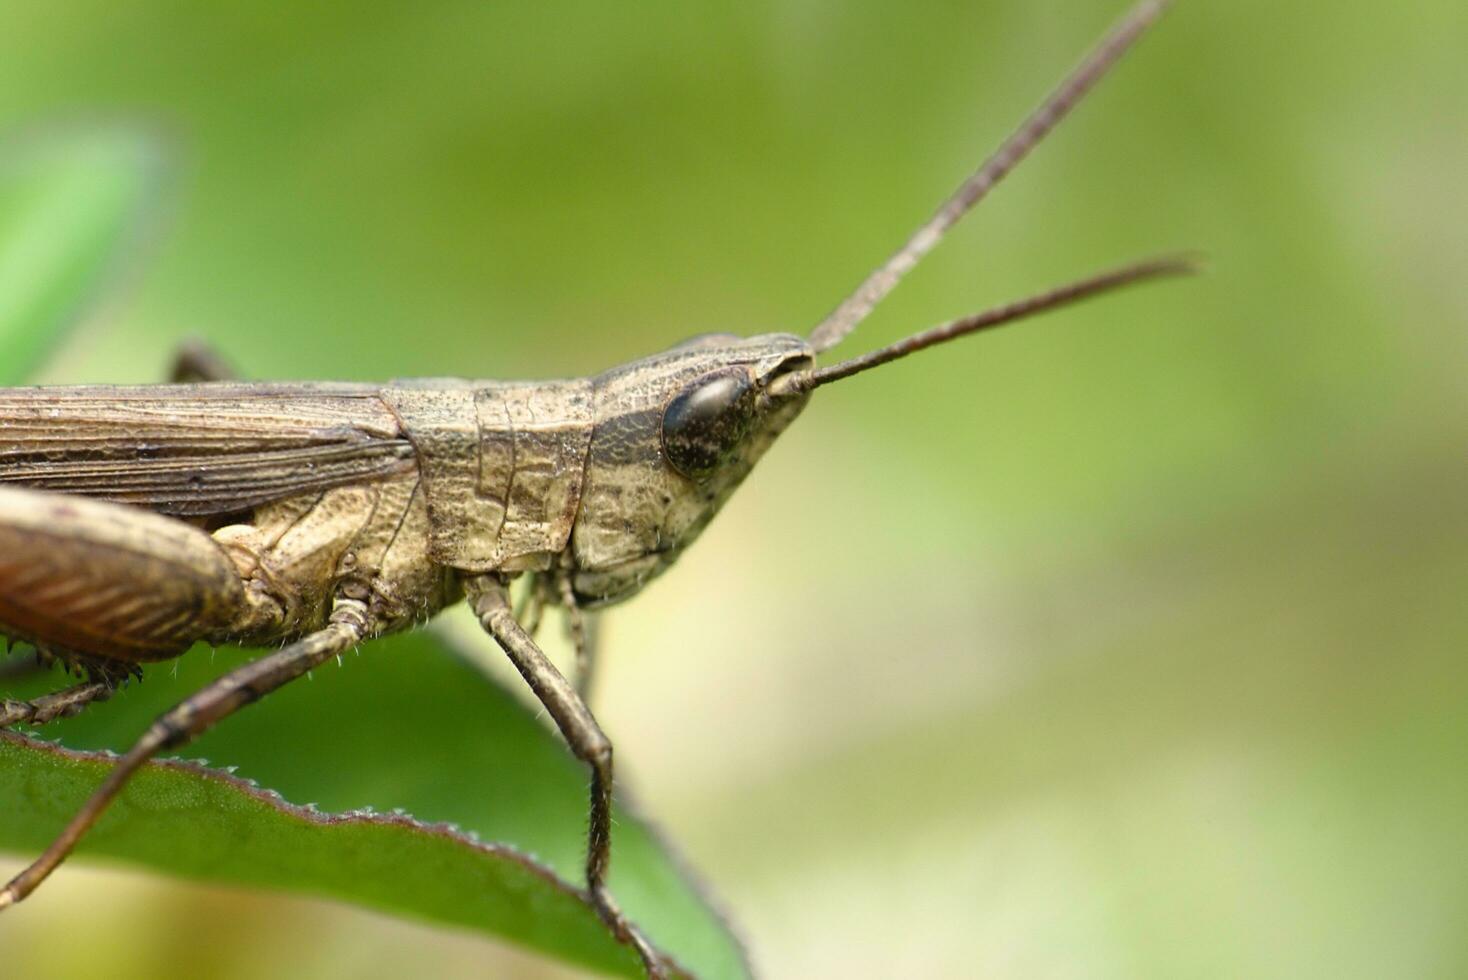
(675, 433)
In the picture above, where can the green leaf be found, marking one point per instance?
(71, 200)
(402, 724)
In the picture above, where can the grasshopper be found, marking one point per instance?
(136, 521)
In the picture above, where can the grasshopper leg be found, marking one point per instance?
(196, 360)
(57, 704)
(110, 581)
(491, 604)
(532, 605)
(582, 629)
(190, 718)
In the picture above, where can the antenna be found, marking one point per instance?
(1082, 289)
(1065, 97)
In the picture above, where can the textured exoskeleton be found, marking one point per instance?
(248, 510)
(135, 521)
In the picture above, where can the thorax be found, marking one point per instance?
(502, 467)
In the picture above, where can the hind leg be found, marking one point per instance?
(103, 587)
(108, 581)
(193, 716)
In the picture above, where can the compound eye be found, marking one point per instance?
(704, 422)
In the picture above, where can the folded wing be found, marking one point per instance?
(197, 450)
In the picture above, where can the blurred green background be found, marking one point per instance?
(1129, 643)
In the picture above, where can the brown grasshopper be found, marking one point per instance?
(137, 521)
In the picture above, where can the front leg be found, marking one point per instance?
(582, 630)
(490, 601)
